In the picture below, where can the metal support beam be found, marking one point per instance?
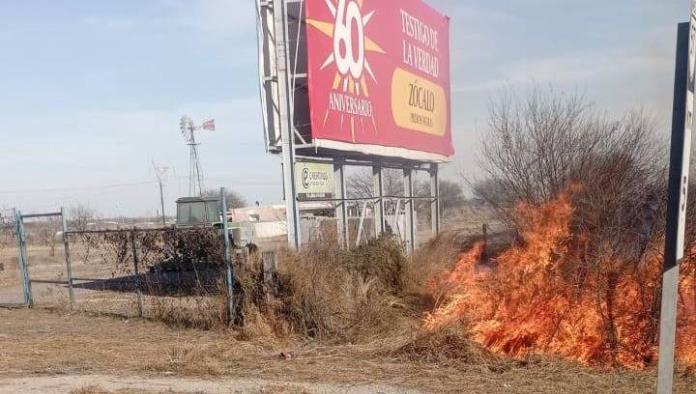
(410, 229)
(229, 277)
(682, 116)
(378, 192)
(435, 193)
(286, 122)
(395, 223)
(342, 206)
(68, 265)
(363, 213)
(41, 215)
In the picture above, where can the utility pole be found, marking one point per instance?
(161, 174)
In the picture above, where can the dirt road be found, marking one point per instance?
(92, 384)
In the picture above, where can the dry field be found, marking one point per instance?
(54, 352)
(93, 351)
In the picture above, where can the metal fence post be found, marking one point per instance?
(230, 271)
(435, 203)
(136, 261)
(342, 206)
(24, 261)
(68, 266)
(378, 191)
(410, 211)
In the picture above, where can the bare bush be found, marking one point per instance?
(537, 145)
(542, 145)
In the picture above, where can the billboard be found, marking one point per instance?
(379, 78)
(314, 181)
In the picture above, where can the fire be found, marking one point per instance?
(536, 297)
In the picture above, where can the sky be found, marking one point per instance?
(94, 89)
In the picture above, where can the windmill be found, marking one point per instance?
(188, 131)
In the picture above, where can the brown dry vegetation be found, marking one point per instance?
(332, 295)
(40, 342)
(336, 325)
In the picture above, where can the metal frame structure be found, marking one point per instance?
(23, 256)
(280, 69)
(379, 198)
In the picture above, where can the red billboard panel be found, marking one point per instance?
(379, 78)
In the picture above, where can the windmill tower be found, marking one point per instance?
(188, 131)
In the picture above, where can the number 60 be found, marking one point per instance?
(348, 17)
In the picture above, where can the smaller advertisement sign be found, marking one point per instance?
(314, 181)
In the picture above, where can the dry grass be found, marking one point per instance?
(451, 343)
(329, 294)
(346, 317)
(38, 342)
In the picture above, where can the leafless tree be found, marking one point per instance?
(538, 145)
(545, 143)
(361, 185)
(47, 232)
(81, 216)
(234, 199)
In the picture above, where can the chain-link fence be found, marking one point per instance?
(175, 275)
(179, 275)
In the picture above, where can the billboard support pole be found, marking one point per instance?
(682, 114)
(286, 122)
(342, 207)
(435, 193)
(378, 191)
(410, 211)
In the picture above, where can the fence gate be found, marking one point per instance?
(11, 276)
(33, 257)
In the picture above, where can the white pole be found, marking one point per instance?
(676, 204)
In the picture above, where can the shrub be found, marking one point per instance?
(327, 293)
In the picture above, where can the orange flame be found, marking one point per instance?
(533, 299)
